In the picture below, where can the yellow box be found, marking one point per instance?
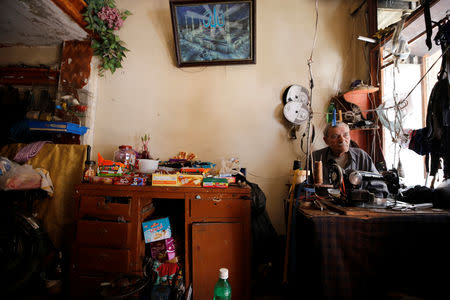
(159, 179)
(190, 180)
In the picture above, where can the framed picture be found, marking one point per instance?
(218, 32)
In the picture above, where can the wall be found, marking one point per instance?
(228, 111)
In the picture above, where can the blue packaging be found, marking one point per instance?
(155, 230)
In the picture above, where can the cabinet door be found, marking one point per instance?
(215, 246)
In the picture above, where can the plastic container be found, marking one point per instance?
(148, 165)
(222, 290)
(126, 155)
(89, 171)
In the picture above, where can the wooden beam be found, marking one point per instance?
(74, 9)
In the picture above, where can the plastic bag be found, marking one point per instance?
(230, 166)
(18, 177)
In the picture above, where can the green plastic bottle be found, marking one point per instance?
(222, 290)
(330, 110)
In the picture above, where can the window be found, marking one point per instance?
(398, 80)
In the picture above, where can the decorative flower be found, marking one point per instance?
(111, 16)
(103, 19)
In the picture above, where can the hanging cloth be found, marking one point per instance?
(428, 26)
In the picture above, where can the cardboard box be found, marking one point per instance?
(190, 180)
(159, 179)
(156, 230)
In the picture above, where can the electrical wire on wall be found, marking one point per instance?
(308, 151)
(311, 86)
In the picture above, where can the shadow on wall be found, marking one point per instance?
(162, 22)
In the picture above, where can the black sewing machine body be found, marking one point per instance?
(357, 187)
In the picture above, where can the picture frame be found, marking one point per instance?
(220, 32)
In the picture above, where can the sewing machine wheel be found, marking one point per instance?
(335, 175)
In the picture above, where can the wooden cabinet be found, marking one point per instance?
(108, 239)
(216, 245)
(108, 236)
(220, 227)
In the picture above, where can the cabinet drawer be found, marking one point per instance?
(103, 234)
(103, 260)
(216, 206)
(105, 206)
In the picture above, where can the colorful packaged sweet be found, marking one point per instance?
(190, 180)
(155, 230)
(159, 179)
(109, 168)
(163, 249)
(215, 182)
(102, 180)
(191, 170)
(130, 179)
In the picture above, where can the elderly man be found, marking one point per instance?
(339, 151)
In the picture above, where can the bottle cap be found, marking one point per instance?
(223, 273)
(126, 147)
(90, 162)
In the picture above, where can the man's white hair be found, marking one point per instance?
(329, 125)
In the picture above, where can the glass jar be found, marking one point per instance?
(89, 171)
(126, 155)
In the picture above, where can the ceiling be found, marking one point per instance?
(36, 23)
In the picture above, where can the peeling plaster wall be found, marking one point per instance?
(36, 22)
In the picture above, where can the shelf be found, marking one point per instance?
(28, 76)
(56, 127)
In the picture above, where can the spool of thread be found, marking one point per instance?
(318, 175)
(333, 122)
(340, 115)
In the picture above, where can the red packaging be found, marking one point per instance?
(163, 249)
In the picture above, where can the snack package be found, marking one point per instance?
(163, 249)
(155, 230)
(109, 168)
(189, 180)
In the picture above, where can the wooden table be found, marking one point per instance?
(356, 253)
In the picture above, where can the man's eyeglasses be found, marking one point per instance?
(345, 135)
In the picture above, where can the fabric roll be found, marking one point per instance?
(29, 151)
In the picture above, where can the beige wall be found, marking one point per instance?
(31, 56)
(226, 111)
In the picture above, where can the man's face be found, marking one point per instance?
(338, 139)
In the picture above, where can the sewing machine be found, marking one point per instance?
(353, 187)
